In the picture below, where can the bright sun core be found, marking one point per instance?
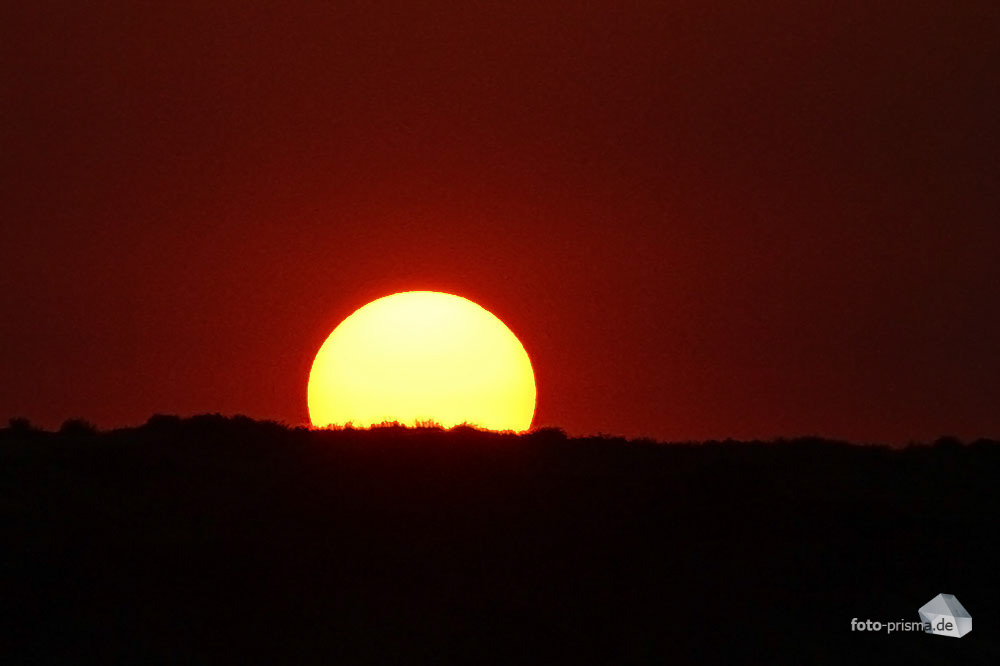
(421, 356)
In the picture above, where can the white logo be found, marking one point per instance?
(946, 616)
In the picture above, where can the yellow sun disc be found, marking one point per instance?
(422, 356)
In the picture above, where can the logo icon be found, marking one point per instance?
(946, 616)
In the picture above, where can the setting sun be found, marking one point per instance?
(422, 356)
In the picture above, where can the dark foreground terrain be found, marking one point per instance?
(214, 540)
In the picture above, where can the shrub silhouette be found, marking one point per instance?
(164, 423)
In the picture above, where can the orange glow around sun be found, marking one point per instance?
(422, 356)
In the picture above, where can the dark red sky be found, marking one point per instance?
(702, 219)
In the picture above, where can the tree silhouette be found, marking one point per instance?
(19, 425)
(77, 428)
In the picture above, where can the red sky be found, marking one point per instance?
(702, 219)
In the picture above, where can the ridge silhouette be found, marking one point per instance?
(209, 540)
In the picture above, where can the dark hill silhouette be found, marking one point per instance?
(215, 540)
